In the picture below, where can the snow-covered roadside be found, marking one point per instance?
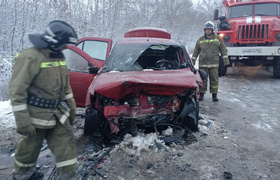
(6, 115)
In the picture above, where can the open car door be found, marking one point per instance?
(83, 62)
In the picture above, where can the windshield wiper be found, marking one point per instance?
(260, 14)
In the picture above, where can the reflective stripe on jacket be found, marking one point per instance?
(208, 51)
(35, 72)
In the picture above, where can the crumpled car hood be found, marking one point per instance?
(166, 82)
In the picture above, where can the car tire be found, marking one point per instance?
(92, 122)
(222, 69)
(276, 67)
(191, 121)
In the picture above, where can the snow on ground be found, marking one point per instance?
(6, 115)
(140, 143)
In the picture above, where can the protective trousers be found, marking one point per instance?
(61, 143)
(214, 80)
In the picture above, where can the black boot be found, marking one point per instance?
(201, 96)
(214, 98)
(36, 176)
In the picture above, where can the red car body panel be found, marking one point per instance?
(148, 32)
(80, 81)
(146, 40)
(79, 87)
(117, 85)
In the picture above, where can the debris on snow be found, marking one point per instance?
(227, 175)
(167, 132)
(203, 122)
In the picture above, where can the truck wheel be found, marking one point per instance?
(92, 122)
(222, 68)
(276, 67)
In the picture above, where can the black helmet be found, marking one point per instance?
(57, 34)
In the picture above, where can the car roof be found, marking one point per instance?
(148, 40)
(147, 35)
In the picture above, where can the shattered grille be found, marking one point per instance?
(253, 32)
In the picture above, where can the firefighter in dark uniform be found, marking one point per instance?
(208, 48)
(43, 103)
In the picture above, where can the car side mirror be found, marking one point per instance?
(222, 18)
(202, 74)
(93, 70)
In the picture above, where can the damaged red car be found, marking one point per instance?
(147, 83)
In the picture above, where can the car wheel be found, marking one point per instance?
(222, 68)
(92, 122)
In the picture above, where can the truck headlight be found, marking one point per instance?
(227, 38)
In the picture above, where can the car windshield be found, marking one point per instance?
(267, 9)
(137, 57)
(240, 11)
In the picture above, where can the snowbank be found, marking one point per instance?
(6, 115)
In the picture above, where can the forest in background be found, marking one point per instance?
(184, 19)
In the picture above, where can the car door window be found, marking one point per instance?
(75, 62)
(96, 49)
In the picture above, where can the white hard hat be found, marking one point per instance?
(209, 25)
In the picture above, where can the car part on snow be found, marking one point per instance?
(177, 134)
(93, 162)
(92, 121)
(227, 175)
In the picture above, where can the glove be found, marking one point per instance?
(72, 116)
(226, 62)
(27, 131)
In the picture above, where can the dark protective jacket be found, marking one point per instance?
(43, 74)
(208, 51)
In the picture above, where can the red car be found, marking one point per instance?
(148, 82)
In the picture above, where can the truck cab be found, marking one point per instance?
(251, 32)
